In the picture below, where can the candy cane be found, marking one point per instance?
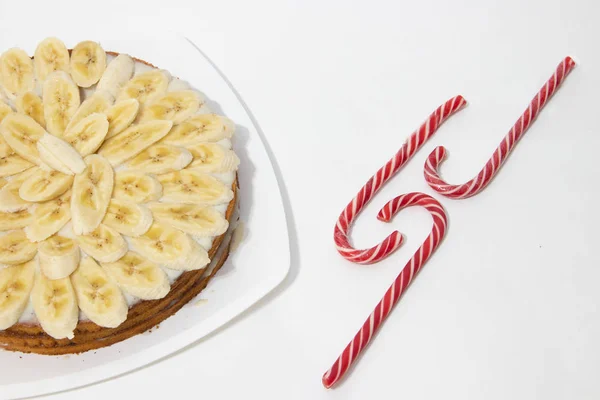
(408, 149)
(490, 169)
(392, 295)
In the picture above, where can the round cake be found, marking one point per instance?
(118, 196)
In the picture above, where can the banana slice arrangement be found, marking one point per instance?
(102, 190)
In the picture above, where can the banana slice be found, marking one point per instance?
(128, 218)
(61, 101)
(136, 187)
(10, 162)
(87, 135)
(171, 248)
(3, 182)
(138, 277)
(190, 218)
(193, 187)
(200, 129)
(16, 71)
(58, 257)
(88, 62)
(60, 155)
(5, 109)
(22, 134)
(50, 55)
(99, 102)
(10, 201)
(159, 159)
(55, 306)
(16, 283)
(121, 115)
(116, 75)
(133, 141)
(92, 190)
(15, 248)
(213, 158)
(146, 87)
(15, 220)
(30, 104)
(104, 244)
(49, 218)
(173, 106)
(99, 298)
(177, 85)
(45, 185)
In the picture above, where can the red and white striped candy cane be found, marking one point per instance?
(490, 169)
(391, 297)
(408, 149)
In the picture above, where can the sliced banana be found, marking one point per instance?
(136, 187)
(92, 190)
(10, 201)
(139, 277)
(121, 115)
(58, 257)
(200, 129)
(104, 244)
(55, 306)
(170, 248)
(88, 62)
(50, 55)
(16, 71)
(193, 187)
(117, 74)
(15, 248)
(15, 220)
(61, 101)
(22, 134)
(5, 109)
(99, 298)
(3, 182)
(99, 102)
(30, 104)
(127, 218)
(190, 218)
(45, 185)
(10, 162)
(177, 85)
(16, 283)
(173, 106)
(49, 218)
(146, 87)
(133, 141)
(60, 155)
(159, 159)
(213, 158)
(87, 135)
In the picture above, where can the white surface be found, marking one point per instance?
(245, 277)
(508, 308)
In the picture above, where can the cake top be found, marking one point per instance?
(114, 178)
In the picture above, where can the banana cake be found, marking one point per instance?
(118, 196)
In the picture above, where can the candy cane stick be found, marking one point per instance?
(391, 297)
(490, 169)
(408, 149)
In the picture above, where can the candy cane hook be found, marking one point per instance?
(408, 149)
(490, 169)
(392, 295)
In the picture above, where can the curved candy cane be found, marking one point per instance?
(490, 169)
(392, 295)
(408, 149)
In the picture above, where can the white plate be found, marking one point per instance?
(256, 267)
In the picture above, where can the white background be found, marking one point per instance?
(508, 306)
